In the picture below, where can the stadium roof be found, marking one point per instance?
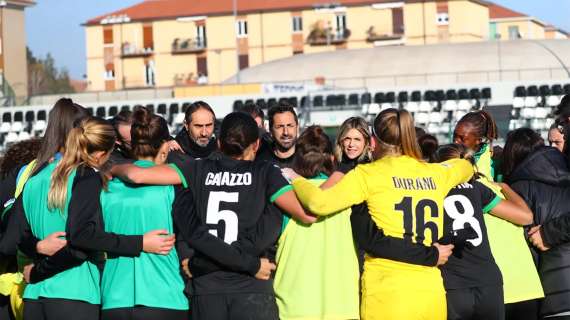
(151, 10)
(447, 63)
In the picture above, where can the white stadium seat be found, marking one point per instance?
(422, 118)
(435, 117)
(40, 125)
(530, 102)
(425, 106)
(24, 135)
(17, 126)
(450, 105)
(553, 100)
(5, 127)
(179, 118)
(528, 113)
(518, 102)
(464, 105)
(11, 137)
(412, 107)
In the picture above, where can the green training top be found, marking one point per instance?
(317, 269)
(149, 280)
(78, 283)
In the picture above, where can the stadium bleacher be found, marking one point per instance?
(435, 109)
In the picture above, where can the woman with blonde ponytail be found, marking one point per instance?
(405, 198)
(63, 195)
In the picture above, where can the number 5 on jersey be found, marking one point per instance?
(230, 218)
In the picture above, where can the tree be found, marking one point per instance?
(45, 78)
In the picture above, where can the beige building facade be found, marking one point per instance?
(13, 62)
(173, 43)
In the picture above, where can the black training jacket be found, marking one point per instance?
(543, 180)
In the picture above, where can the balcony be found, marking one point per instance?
(327, 36)
(384, 39)
(190, 45)
(129, 50)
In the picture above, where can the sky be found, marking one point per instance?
(54, 26)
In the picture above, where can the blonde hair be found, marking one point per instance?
(396, 133)
(361, 126)
(91, 135)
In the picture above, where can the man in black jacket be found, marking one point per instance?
(284, 129)
(197, 137)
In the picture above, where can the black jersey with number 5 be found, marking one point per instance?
(474, 266)
(230, 197)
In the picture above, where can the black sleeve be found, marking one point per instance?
(487, 195)
(66, 258)
(85, 229)
(16, 230)
(556, 231)
(373, 241)
(185, 167)
(275, 180)
(8, 188)
(195, 232)
(255, 240)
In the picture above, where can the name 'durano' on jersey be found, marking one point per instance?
(228, 179)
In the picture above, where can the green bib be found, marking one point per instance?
(79, 283)
(148, 280)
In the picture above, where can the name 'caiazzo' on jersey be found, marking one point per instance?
(228, 179)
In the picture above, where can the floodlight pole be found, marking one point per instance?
(234, 4)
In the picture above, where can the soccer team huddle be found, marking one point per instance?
(116, 219)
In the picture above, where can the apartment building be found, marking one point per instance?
(13, 63)
(507, 24)
(165, 43)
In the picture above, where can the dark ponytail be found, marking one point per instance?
(313, 153)
(148, 133)
(237, 133)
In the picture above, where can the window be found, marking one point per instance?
(241, 28)
(149, 73)
(243, 61)
(108, 36)
(443, 18)
(341, 22)
(109, 75)
(514, 33)
(297, 24)
(201, 36)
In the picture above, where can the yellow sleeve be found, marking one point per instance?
(457, 171)
(350, 190)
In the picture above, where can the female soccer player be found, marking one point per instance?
(64, 195)
(521, 284)
(148, 286)
(471, 277)
(327, 288)
(402, 192)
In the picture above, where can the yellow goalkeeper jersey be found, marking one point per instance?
(405, 198)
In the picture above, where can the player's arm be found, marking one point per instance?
(556, 231)
(196, 233)
(374, 242)
(456, 171)
(155, 175)
(513, 209)
(255, 241)
(350, 190)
